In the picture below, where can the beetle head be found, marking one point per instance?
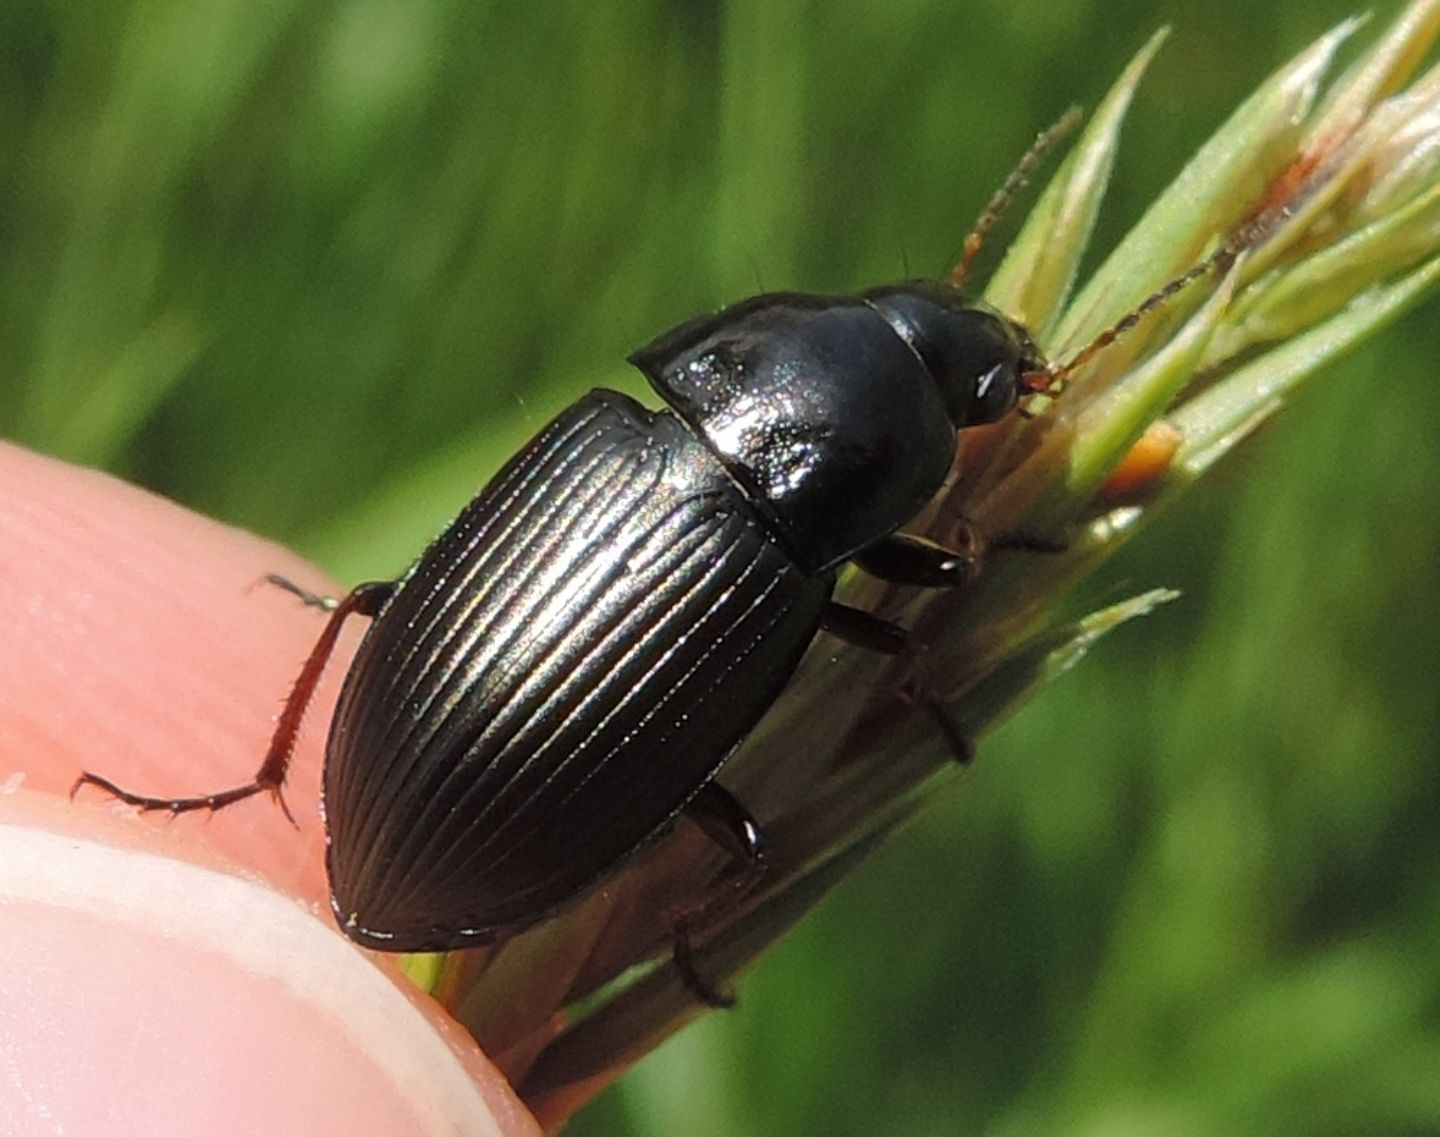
(978, 358)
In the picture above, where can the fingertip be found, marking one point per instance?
(161, 993)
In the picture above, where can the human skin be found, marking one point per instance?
(182, 976)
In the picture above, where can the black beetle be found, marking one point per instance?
(567, 666)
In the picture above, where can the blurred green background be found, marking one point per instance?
(317, 266)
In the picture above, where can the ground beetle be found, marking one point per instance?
(566, 668)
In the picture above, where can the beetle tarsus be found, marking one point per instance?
(305, 596)
(917, 690)
(684, 955)
(175, 806)
(1028, 543)
(962, 749)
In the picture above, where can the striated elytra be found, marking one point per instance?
(567, 666)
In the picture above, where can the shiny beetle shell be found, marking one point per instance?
(554, 680)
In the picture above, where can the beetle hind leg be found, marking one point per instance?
(366, 600)
(303, 594)
(727, 823)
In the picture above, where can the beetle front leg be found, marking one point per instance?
(722, 818)
(366, 600)
(903, 558)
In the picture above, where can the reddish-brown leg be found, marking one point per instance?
(366, 600)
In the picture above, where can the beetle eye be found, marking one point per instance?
(995, 393)
(986, 381)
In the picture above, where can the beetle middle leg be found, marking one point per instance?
(906, 559)
(875, 633)
(727, 823)
(366, 600)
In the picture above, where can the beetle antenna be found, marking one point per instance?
(1044, 142)
(1280, 202)
(1217, 262)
